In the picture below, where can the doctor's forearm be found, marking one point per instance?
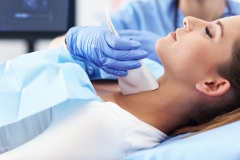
(56, 42)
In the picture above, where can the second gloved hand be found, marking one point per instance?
(98, 45)
(147, 40)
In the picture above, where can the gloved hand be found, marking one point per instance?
(98, 45)
(147, 40)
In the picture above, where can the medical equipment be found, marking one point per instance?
(137, 80)
(36, 19)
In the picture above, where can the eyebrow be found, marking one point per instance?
(221, 25)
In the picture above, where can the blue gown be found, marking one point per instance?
(157, 16)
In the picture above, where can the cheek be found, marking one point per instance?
(159, 46)
(163, 47)
(184, 53)
(194, 61)
(192, 49)
(191, 55)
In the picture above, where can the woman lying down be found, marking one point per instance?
(199, 90)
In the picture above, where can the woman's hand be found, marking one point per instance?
(114, 55)
(147, 40)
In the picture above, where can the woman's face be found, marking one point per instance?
(195, 51)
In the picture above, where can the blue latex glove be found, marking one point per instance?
(114, 55)
(147, 40)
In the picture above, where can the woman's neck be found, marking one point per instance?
(207, 10)
(165, 108)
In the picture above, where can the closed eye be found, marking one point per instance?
(208, 32)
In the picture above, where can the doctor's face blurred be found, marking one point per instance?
(195, 51)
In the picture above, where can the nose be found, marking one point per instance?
(188, 24)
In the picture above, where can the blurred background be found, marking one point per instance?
(87, 12)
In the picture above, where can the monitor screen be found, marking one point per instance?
(35, 18)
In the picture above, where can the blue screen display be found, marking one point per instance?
(33, 15)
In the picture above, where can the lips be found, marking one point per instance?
(173, 34)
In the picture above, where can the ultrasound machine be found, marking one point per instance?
(35, 19)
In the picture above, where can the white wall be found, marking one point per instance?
(89, 12)
(92, 11)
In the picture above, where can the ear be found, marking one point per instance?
(216, 87)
